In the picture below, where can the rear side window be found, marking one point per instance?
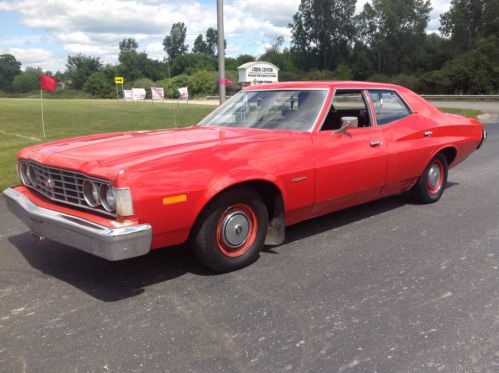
(388, 106)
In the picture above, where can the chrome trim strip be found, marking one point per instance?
(110, 243)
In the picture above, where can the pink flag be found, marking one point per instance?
(225, 81)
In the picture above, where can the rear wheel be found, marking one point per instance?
(431, 184)
(231, 231)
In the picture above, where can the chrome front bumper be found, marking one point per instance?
(484, 137)
(109, 243)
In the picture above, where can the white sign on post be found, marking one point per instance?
(157, 93)
(258, 72)
(128, 94)
(138, 94)
(184, 93)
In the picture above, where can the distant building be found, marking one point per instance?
(258, 72)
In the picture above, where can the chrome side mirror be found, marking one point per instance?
(348, 122)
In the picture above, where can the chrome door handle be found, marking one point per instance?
(428, 133)
(376, 143)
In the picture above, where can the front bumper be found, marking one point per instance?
(484, 137)
(109, 243)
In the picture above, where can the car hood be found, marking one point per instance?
(117, 151)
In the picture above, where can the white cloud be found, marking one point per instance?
(35, 57)
(95, 27)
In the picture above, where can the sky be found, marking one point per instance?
(44, 32)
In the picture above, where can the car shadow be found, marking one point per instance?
(113, 281)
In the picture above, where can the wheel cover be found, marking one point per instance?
(236, 230)
(435, 177)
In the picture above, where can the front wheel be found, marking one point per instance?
(230, 232)
(431, 184)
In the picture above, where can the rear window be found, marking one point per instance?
(388, 106)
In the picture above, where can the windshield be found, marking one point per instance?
(295, 110)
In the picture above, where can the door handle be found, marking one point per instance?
(428, 133)
(375, 143)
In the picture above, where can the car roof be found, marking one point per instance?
(324, 84)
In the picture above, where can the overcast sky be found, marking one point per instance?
(43, 32)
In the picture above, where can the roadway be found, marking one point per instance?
(388, 287)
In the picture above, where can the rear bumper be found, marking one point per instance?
(109, 243)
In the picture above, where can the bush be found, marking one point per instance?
(27, 81)
(171, 86)
(203, 83)
(99, 85)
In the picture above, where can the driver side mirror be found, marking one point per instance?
(347, 122)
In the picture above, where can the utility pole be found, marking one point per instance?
(221, 51)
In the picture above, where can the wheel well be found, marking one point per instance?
(450, 154)
(272, 198)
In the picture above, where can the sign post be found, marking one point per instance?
(119, 80)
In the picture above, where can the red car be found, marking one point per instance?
(272, 156)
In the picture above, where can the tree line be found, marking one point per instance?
(386, 42)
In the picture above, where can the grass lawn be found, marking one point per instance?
(466, 112)
(70, 118)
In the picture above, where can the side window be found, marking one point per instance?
(388, 106)
(347, 103)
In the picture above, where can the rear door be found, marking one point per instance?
(406, 137)
(350, 167)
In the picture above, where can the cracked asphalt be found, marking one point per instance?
(389, 287)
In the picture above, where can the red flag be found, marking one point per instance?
(225, 81)
(47, 83)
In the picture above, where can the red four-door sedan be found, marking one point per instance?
(272, 156)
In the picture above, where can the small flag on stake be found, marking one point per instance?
(46, 84)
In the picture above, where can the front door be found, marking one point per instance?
(351, 165)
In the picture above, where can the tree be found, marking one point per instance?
(322, 31)
(9, 68)
(189, 63)
(28, 80)
(200, 46)
(212, 42)
(174, 44)
(80, 67)
(133, 64)
(280, 57)
(467, 20)
(394, 30)
(128, 45)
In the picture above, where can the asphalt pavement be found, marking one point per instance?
(389, 287)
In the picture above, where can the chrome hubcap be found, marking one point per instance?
(434, 176)
(235, 229)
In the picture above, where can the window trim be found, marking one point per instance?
(402, 99)
(367, 101)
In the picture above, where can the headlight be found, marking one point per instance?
(107, 198)
(91, 193)
(27, 174)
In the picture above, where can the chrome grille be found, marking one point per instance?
(63, 186)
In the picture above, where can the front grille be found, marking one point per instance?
(63, 186)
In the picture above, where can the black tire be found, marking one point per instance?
(219, 220)
(430, 186)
